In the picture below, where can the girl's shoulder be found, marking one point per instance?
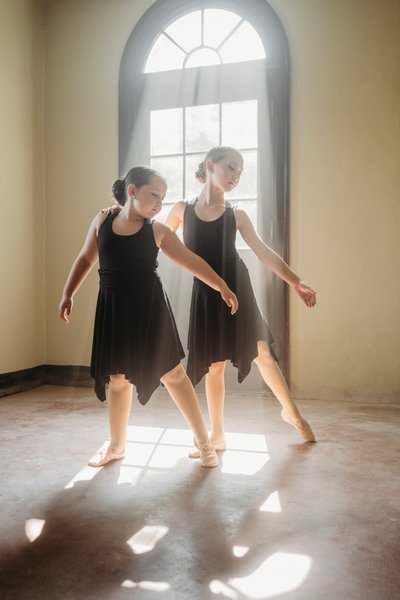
(178, 211)
(159, 228)
(99, 220)
(241, 216)
(179, 207)
(160, 232)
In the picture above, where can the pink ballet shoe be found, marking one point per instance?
(104, 457)
(304, 429)
(208, 456)
(219, 446)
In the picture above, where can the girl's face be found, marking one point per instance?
(147, 200)
(226, 173)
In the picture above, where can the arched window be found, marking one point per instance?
(199, 73)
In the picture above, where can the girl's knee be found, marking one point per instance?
(217, 368)
(176, 376)
(264, 354)
(119, 382)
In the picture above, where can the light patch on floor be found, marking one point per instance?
(272, 504)
(243, 463)
(152, 586)
(278, 574)
(145, 540)
(240, 551)
(163, 448)
(33, 528)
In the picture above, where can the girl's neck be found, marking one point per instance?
(211, 196)
(129, 212)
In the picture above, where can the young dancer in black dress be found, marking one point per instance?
(209, 229)
(135, 337)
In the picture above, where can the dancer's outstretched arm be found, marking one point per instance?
(271, 259)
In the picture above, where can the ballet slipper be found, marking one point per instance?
(106, 456)
(219, 446)
(304, 429)
(208, 456)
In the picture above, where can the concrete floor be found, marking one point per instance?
(277, 518)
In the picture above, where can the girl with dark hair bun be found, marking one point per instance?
(135, 337)
(209, 229)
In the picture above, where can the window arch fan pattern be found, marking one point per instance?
(203, 38)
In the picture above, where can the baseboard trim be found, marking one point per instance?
(364, 395)
(20, 381)
(74, 376)
(27, 379)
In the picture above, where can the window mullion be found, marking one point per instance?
(229, 35)
(174, 42)
(220, 123)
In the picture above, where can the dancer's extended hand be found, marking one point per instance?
(307, 294)
(65, 308)
(230, 298)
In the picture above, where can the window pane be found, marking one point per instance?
(164, 56)
(239, 124)
(202, 127)
(193, 187)
(186, 31)
(247, 187)
(217, 24)
(172, 169)
(166, 134)
(163, 214)
(244, 44)
(202, 58)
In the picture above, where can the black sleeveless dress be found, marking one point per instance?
(135, 332)
(214, 334)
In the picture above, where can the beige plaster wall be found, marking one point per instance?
(85, 41)
(22, 295)
(344, 178)
(345, 183)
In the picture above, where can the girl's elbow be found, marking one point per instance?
(88, 261)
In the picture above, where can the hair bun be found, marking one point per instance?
(200, 173)
(118, 191)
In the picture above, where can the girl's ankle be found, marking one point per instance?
(115, 449)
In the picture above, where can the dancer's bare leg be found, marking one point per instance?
(119, 399)
(119, 408)
(182, 392)
(274, 378)
(215, 392)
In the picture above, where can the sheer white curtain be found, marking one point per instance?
(177, 101)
